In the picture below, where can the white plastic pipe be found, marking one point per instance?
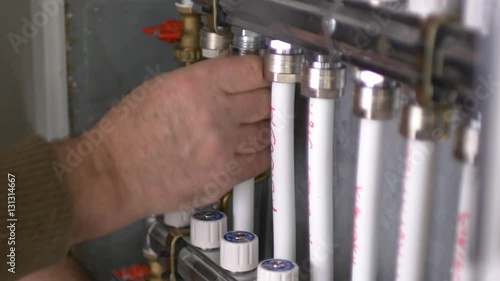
(243, 206)
(320, 164)
(177, 219)
(463, 267)
(414, 222)
(283, 174)
(369, 175)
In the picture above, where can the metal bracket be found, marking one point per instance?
(213, 17)
(173, 237)
(428, 68)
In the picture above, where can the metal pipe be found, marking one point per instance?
(282, 64)
(376, 99)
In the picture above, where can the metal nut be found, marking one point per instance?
(425, 123)
(282, 68)
(212, 44)
(376, 103)
(323, 83)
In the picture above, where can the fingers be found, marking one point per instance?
(236, 74)
(251, 107)
(253, 164)
(253, 138)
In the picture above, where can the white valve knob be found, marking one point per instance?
(207, 228)
(277, 270)
(239, 251)
(178, 219)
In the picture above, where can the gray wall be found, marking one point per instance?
(15, 75)
(109, 56)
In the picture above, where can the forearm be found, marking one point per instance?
(100, 207)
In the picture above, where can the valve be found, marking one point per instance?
(239, 251)
(169, 32)
(207, 228)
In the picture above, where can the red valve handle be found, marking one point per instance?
(169, 32)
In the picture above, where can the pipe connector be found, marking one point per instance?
(282, 62)
(212, 44)
(322, 78)
(430, 123)
(375, 96)
(246, 42)
(466, 146)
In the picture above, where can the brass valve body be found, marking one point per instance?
(188, 49)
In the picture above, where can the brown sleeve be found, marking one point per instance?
(43, 230)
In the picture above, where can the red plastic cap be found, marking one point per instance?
(169, 32)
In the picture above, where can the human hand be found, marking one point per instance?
(188, 142)
(181, 140)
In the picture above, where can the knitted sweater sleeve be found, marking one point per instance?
(35, 210)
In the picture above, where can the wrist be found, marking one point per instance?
(99, 205)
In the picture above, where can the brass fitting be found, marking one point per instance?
(188, 49)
